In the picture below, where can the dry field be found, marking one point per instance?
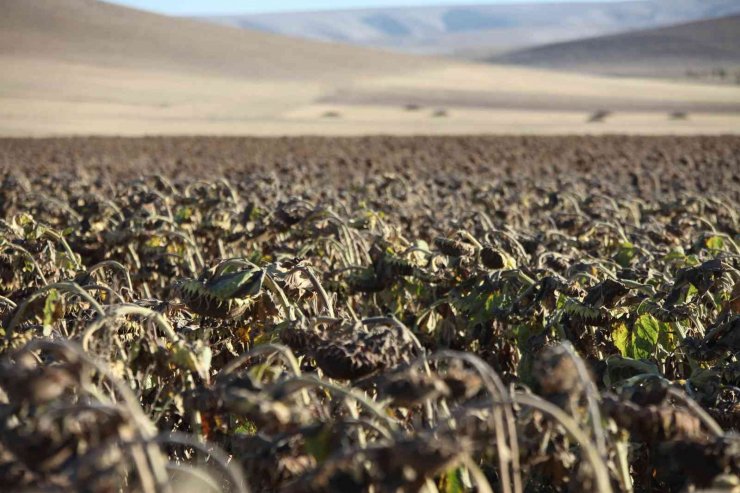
(80, 67)
(355, 313)
(387, 314)
(84, 100)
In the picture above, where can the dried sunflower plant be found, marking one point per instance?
(458, 329)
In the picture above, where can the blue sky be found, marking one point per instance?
(183, 7)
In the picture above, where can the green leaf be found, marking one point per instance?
(625, 254)
(691, 292)
(240, 284)
(561, 301)
(715, 243)
(184, 357)
(183, 214)
(156, 241)
(621, 338)
(667, 338)
(65, 261)
(24, 219)
(522, 332)
(319, 444)
(53, 310)
(675, 254)
(692, 261)
(646, 334)
(451, 482)
(246, 428)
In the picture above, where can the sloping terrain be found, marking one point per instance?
(96, 33)
(480, 30)
(670, 51)
(86, 67)
(83, 65)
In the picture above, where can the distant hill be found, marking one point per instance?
(476, 30)
(93, 32)
(88, 67)
(698, 49)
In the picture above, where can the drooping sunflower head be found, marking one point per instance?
(222, 292)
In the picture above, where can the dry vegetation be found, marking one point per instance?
(370, 314)
(72, 67)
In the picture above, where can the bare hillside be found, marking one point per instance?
(92, 32)
(473, 30)
(86, 67)
(670, 51)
